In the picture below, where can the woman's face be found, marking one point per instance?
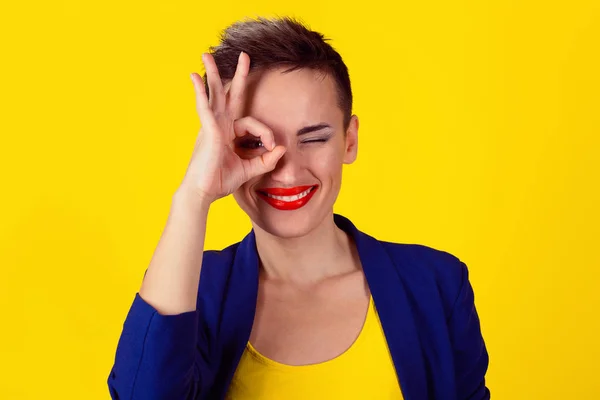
(301, 108)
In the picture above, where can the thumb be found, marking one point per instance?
(265, 162)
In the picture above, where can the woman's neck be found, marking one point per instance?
(325, 252)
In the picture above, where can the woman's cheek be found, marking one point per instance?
(326, 160)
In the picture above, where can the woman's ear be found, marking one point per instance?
(351, 147)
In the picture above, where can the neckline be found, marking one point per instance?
(367, 323)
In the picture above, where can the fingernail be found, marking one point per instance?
(192, 77)
(240, 56)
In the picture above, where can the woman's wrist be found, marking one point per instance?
(189, 201)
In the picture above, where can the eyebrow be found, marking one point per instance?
(312, 128)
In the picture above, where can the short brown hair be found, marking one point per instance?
(278, 42)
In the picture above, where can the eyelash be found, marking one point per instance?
(315, 141)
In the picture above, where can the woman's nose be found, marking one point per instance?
(286, 170)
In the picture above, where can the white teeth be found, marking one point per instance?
(290, 198)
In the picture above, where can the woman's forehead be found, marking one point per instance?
(298, 96)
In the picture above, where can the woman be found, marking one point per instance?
(306, 306)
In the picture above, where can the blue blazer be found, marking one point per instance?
(423, 296)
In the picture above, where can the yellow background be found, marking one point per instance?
(479, 136)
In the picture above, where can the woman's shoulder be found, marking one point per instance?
(414, 262)
(423, 256)
(422, 263)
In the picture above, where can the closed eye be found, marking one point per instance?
(315, 141)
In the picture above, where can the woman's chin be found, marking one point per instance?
(286, 221)
(288, 224)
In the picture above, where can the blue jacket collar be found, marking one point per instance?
(386, 285)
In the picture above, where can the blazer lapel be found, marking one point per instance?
(239, 307)
(394, 311)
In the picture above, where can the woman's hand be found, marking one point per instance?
(215, 170)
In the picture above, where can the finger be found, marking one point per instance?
(250, 125)
(201, 98)
(216, 93)
(264, 163)
(237, 91)
(203, 109)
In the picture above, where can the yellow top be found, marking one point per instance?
(364, 371)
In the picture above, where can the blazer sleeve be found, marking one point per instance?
(158, 356)
(470, 353)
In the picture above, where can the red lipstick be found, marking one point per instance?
(287, 204)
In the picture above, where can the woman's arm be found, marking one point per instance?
(171, 281)
(159, 354)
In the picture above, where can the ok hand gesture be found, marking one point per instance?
(215, 170)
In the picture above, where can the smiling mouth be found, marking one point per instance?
(288, 199)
